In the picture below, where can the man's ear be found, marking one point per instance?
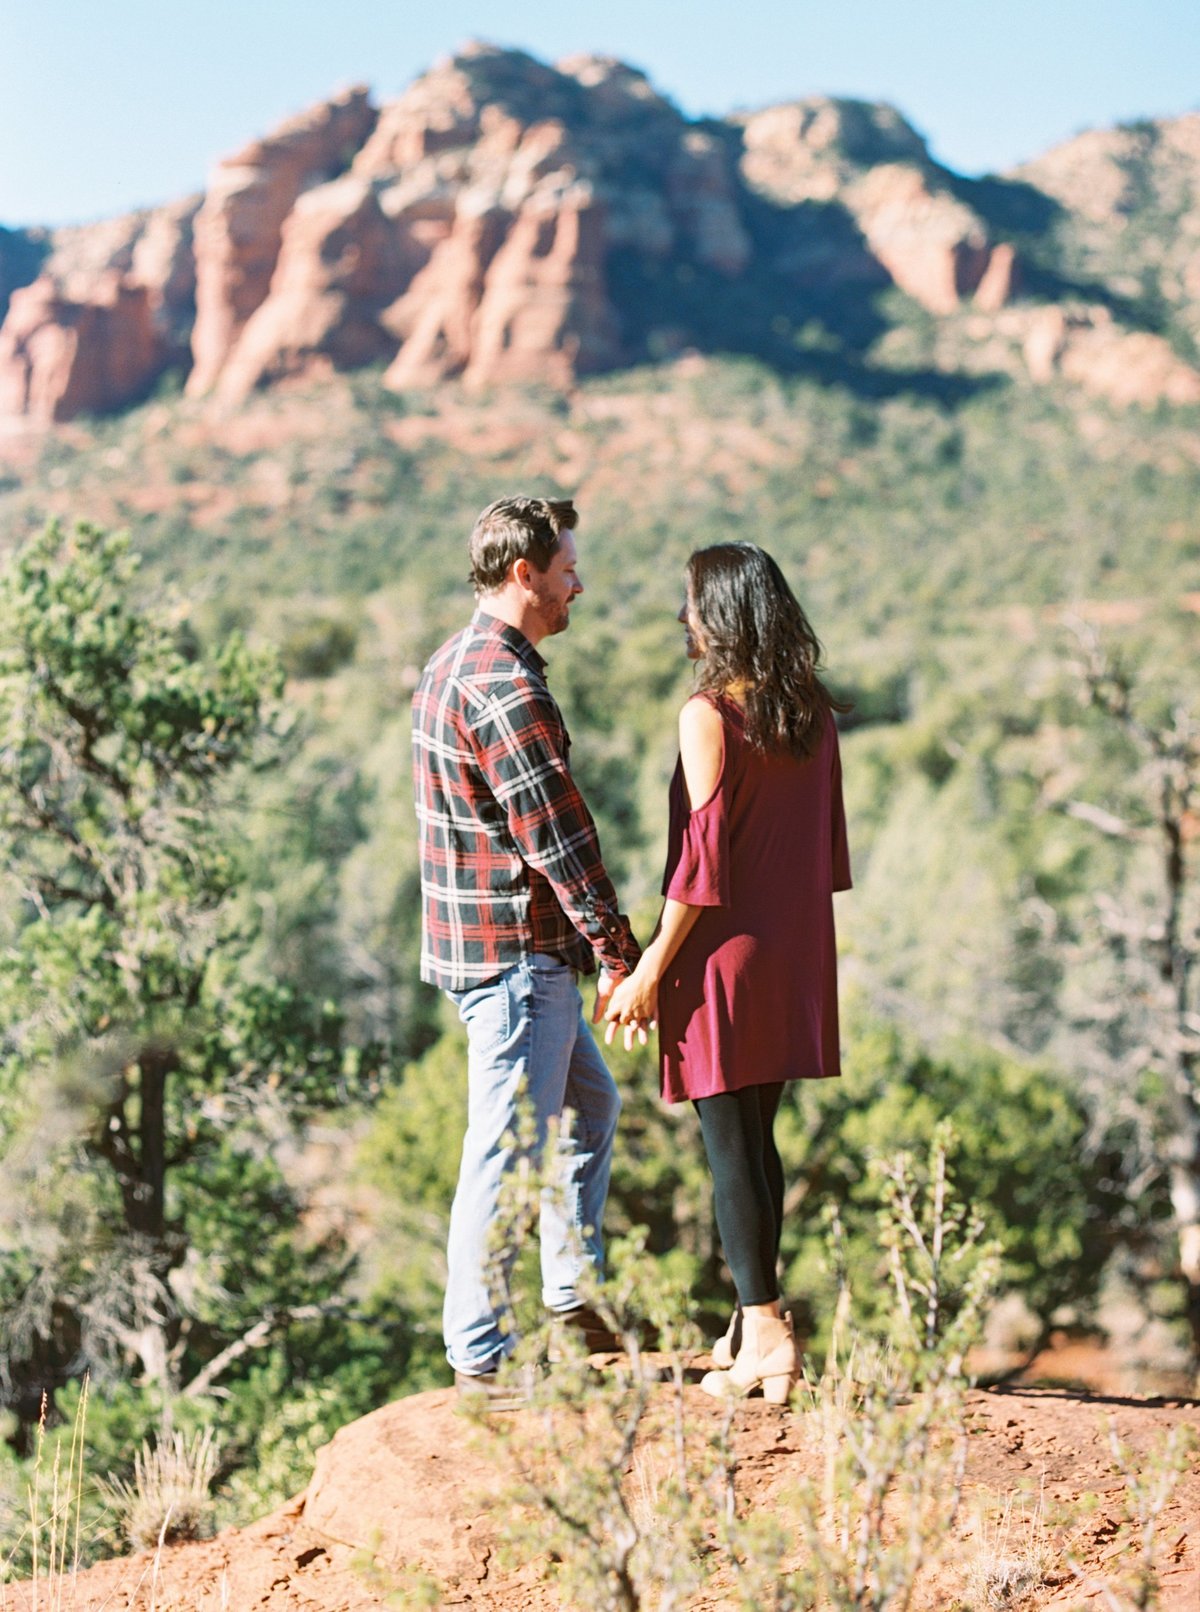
(521, 573)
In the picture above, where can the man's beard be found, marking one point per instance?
(555, 614)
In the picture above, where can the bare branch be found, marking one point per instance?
(258, 1335)
(1098, 818)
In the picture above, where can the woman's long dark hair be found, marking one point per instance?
(756, 636)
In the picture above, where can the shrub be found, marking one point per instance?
(168, 1498)
(1020, 1157)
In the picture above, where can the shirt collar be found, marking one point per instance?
(512, 636)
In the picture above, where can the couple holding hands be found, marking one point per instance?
(740, 976)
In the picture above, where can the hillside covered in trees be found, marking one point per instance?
(229, 1113)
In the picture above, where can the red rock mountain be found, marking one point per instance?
(508, 221)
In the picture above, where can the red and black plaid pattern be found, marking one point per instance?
(510, 858)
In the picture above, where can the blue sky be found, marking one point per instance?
(107, 105)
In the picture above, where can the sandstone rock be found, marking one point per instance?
(408, 1483)
(1000, 279)
(808, 150)
(544, 314)
(111, 309)
(931, 244)
(1126, 366)
(478, 224)
(1088, 347)
(163, 260)
(1045, 340)
(435, 318)
(340, 262)
(702, 199)
(505, 301)
(522, 184)
(1129, 217)
(448, 108)
(1086, 174)
(239, 228)
(505, 220)
(60, 357)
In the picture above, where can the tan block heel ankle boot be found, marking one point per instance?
(767, 1359)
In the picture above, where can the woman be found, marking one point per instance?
(741, 974)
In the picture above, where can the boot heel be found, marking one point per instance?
(777, 1390)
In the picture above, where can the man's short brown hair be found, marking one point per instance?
(517, 529)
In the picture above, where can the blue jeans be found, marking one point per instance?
(527, 1038)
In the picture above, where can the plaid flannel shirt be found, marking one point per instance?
(510, 858)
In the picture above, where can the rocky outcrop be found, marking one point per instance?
(502, 301)
(1129, 216)
(870, 161)
(150, 249)
(111, 309)
(512, 185)
(412, 1504)
(932, 245)
(509, 221)
(810, 150)
(340, 262)
(545, 313)
(60, 357)
(1088, 347)
(239, 229)
(474, 232)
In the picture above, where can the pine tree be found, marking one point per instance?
(144, 1223)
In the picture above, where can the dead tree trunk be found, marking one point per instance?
(1158, 961)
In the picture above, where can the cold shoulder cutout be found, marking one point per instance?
(701, 745)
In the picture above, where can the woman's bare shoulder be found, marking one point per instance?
(701, 747)
(699, 716)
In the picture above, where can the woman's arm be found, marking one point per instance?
(634, 1003)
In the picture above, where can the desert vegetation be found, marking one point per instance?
(228, 1111)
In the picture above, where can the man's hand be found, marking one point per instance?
(605, 987)
(634, 1005)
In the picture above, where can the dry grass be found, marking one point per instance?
(168, 1499)
(644, 1490)
(52, 1533)
(1013, 1552)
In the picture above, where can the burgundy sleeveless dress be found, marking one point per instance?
(751, 996)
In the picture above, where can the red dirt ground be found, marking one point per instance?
(405, 1491)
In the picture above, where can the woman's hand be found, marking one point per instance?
(634, 1004)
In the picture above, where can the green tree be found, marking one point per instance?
(1020, 1158)
(145, 1074)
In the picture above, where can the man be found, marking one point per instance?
(515, 905)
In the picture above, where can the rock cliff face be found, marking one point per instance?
(239, 229)
(490, 199)
(867, 159)
(508, 221)
(1130, 214)
(111, 309)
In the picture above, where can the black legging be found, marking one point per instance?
(739, 1138)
